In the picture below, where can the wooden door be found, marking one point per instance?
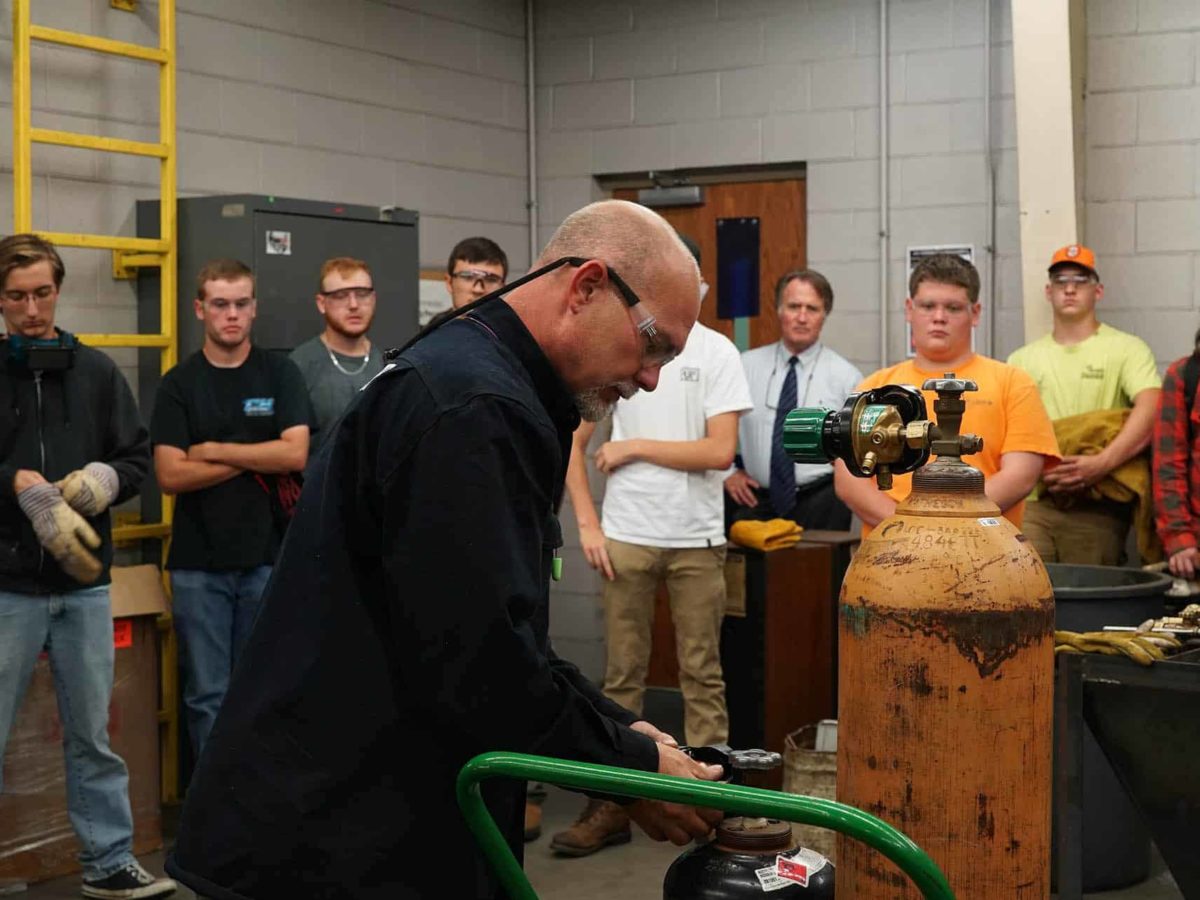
(780, 209)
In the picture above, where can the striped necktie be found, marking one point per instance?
(783, 472)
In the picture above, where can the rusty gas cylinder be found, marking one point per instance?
(945, 694)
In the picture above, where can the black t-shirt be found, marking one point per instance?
(229, 525)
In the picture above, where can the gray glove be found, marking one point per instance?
(64, 533)
(89, 490)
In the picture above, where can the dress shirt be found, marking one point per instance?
(823, 378)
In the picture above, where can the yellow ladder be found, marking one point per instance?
(128, 254)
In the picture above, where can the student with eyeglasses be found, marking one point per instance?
(797, 370)
(477, 266)
(341, 359)
(943, 308)
(405, 629)
(1101, 388)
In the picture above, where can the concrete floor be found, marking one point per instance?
(632, 872)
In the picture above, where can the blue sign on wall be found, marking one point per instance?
(737, 268)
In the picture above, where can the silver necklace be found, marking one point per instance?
(337, 365)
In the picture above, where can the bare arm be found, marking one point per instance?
(862, 496)
(1019, 472)
(286, 454)
(713, 451)
(178, 475)
(591, 538)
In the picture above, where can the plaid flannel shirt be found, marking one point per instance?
(1176, 465)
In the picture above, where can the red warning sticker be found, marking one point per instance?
(792, 870)
(122, 633)
(800, 865)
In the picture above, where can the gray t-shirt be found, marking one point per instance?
(330, 388)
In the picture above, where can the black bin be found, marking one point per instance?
(1116, 845)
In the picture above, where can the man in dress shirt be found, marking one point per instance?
(797, 370)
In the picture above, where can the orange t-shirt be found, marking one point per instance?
(1006, 412)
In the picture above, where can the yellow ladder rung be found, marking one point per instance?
(138, 532)
(99, 44)
(106, 242)
(125, 340)
(95, 142)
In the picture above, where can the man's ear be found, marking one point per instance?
(586, 284)
(198, 305)
(320, 304)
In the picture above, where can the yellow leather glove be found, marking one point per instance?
(64, 533)
(1142, 648)
(91, 489)
(773, 534)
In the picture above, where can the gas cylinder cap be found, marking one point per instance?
(752, 833)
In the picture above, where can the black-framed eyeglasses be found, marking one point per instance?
(657, 351)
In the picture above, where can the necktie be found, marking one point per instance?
(783, 473)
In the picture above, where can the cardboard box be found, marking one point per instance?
(36, 839)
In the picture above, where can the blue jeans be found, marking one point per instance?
(214, 614)
(76, 628)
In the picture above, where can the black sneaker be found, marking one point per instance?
(129, 881)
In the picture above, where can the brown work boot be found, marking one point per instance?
(602, 823)
(533, 821)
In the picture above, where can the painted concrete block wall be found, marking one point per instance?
(413, 103)
(1143, 149)
(661, 84)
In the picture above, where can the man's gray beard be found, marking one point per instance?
(592, 407)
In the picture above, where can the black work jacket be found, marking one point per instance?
(54, 423)
(404, 632)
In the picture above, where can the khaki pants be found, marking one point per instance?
(1090, 533)
(696, 582)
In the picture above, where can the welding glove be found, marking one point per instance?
(89, 490)
(64, 533)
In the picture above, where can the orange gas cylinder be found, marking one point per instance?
(945, 685)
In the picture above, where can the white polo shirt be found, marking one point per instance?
(659, 507)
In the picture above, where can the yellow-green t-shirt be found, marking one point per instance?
(1105, 371)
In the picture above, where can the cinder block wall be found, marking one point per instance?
(629, 86)
(1143, 128)
(419, 104)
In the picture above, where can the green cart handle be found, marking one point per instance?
(734, 799)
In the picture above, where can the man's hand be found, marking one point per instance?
(740, 487)
(1183, 563)
(91, 489)
(591, 538)
(1075, 474)
(672, 821)
(64, 533)
(659, 737)
(614, 454)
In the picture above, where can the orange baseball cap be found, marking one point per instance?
(1076, 255)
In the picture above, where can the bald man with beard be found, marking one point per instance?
(405, 630)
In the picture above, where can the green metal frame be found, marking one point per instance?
(734, 799)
